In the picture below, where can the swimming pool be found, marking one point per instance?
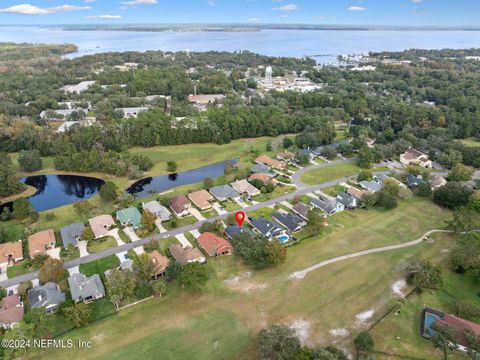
(430, 320)
(283, 237)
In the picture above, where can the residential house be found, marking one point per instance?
(180, 205)
(40, 242)
(267, 160)
(201, 199)
(305, 152)
(437, 181)
(11, 311)
(130, 216)
(263, 169)
(62, 114)
(317, 151)
(101, 225)
(432, 318)
(414, 181)
(328, 206)
(286, 156)
(131, 112)
(291, 222)
(206, 99)
(301, 209)
(78, 88)
(414, 157)
(266, 227)
(187, 255)
(71, 234)
(245, 188)
(349, 201)
(264, 178)
(214, 245)
(381, 178)
(224, 192)
(160, 262)
(10, 253)
(233, 230)
(48, 296)
(86, 289)
(157, 209)
(356, 193)
(371, 185)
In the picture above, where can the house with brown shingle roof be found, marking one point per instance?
(356, 193)
(214, 245)
(201, 199)
(267, 160)
(10, 253)
(40, 242)
(243, 187)
(11, 312)
(161, 263)
(101, 225)
(262, 177)
(187, 255)
(180, 205)
(414, 157)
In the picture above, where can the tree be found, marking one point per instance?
(423, 190)
(171, 166)
(30, 160)
(365, 158)
(385, 200)
(278, 342)
(21, 208)
(276, 253)
(23, 332)
(51, 271)
(443, 338)
(9, 184)
(120, 285)
(466, 255)
(464, 219)
(424, 275)
(268, 147)
(466, 310)
(452, 195)
(159, 288)
(391, 186)
(208, 183)
(109, 192)
(368, 200)
(364, 343)
(37, 318)
(173, 271)
(329, 152)
(148, 221)
(460, 172)
(143, 267)
(365, 175)
(79, 314)
(194, 276)
(315, 220)
(82, 208)
(88, 234)
(228, 168)
(474, 201)
(287, 143)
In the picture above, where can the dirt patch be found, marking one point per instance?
(398, 286)
(302, 329)
(243, 283)
(363, 318)
(339, 332)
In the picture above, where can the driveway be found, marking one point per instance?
(196, 214)
(54, 253)
(195, 233)
(82, 246)
(114, 233)
(219, 209)
(240, 202)
(122, 256)
(74, 270)
(160, 227)
(3, 273)
(183, 241)
(139, 250)
(131, 233)
(287, 204)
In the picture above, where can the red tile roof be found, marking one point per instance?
(214, 245)
(461, 325)
(12, 310)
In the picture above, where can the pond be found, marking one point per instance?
(159, 184)
(58, 190)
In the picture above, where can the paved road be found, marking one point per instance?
(302, 273)
(112, 251)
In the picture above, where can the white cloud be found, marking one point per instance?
(89, 1)
(106, 16)
(420, 12)
(253, 19)
(417, 1)
(133, 3)
(27, 9)
(288, 7)
(357, 8)
(211, 2)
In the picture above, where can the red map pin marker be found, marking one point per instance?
(240, 216)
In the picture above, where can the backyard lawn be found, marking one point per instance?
(222, 321)
(471, 141)
(99, 266)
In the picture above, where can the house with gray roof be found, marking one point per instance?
(414, 181)
(263, 169)
(85, 288)
(301, 209)
(372, 186)
(328, 206)
(349, 201)
(291, 222)
(47, 296)
(71, 234)
(233, 230)
(157, 209)
(224, 192)
(266, 227)
(317, 151)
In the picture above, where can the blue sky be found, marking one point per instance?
(381, 12)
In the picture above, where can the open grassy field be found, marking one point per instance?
(318, 176)
(222, 322)
(474, 142)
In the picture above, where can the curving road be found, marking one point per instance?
(302, 273)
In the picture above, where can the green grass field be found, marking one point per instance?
(223, 321)
(95, 246)
(318, 176)
(99, 266)
(473, 142)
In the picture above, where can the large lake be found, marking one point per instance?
(296, 43)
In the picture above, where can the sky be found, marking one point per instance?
(326, 12)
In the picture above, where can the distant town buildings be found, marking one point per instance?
(78, 88)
